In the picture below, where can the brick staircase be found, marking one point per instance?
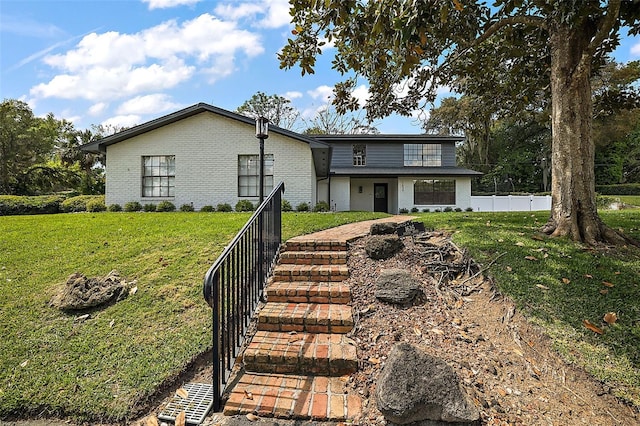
(295, 362)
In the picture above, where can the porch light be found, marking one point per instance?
(262, 128)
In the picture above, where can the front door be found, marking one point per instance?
(380, 199)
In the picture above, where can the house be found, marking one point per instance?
(204, 155)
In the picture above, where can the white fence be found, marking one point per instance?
(510, 203)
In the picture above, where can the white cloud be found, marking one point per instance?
(148, 104)
(635, 49)
(112, 66)
(120, 121)
(293, 95)
(323, 93)
(165, 4)
(274, 13)
(361, 93)
(98, 108)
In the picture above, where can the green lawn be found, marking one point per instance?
(104, 367)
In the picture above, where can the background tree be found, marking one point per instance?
(542, 46)
(329, 121)
(274, 107)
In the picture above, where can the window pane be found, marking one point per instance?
(158, 176)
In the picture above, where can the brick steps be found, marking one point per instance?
(296, 244)
(292, 396)
(301, 353)
(319, 273)
(308, 317)
(308, 292)
(314, 257)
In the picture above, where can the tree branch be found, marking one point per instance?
(605, 26)
(534, 21)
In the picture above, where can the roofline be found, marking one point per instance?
(387, 137)
(101, 144)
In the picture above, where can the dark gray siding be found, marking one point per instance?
(385, 155)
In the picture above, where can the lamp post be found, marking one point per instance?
(262, 133)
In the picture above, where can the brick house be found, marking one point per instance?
(204, 155)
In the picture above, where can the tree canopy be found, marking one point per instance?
(277, 109)
(513, 53)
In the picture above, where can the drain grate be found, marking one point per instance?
(196, 405)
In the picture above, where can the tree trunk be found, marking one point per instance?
(573, 206)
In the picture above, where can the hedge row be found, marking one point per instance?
(620, 189)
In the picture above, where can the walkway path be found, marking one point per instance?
(296, 362)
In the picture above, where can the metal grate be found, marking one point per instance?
(196, 405)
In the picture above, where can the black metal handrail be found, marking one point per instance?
(234, 284)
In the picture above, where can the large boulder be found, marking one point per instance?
(397, 286)
(81, 292)
(417, 388)
(380, 247)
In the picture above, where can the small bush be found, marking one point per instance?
(79, 203)
(132, 206)
(414, 210)
(150, 207)
(165, 206)
(208, 209)
(403, 211)
(457, 209)
(448, 209)
(286, 206)
(95, 206)
(437, 210)
(244, 206)
(224, 207)
(468, 209)
(17, 205)
(186, 208)
(620, 189)
(321, 206)
(115, 208)
(302, 207)
(426, 210)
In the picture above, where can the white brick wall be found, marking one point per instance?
(206, 147)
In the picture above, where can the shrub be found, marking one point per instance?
(244, 206)
(150, 207)
(302, 207)
(186, 208)
(115, 208)
(604, 202)
(17, 205)
(321, 206)
(132, 206)
(95, 206)
(457, 209)
(448, 209)
(426, 210)
(403, 211)
(79, 203)
(208, 209)
(620, 189)
(414, 210)
(437, 210)
(286, 206)
(468, 209)
(165, 206)
(224, 207)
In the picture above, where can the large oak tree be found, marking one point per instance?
(407, 48)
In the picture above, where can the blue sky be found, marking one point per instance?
(124, 62)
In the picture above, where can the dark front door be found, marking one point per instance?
(380, 199)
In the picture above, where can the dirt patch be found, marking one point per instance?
(81, 293)
(506, 365)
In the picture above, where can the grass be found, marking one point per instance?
(632, 200)
(561, 284)
(105, 367)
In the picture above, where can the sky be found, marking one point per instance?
(125, 62)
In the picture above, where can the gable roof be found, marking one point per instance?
(321, 151)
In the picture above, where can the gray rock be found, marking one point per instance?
(383, 246)
(417, 388)
(382, 228)
(397, 286)
(81, 292)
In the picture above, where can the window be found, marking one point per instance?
(360, 155)
(422, 155)
(434, 191)
(158, 176)
(249, 175)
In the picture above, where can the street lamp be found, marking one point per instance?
(262, 133)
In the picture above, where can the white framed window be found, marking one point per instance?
(434, 192)
(249, 175)
(158, 175)
(359, 154)
(422, 155)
